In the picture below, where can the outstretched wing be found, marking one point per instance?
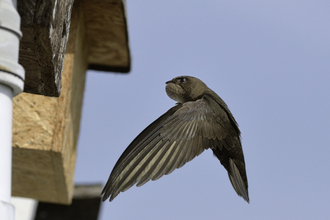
(175, 138)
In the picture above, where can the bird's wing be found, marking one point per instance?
(228, 148)
(168, 143)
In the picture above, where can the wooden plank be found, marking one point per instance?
(107, 35)
(46, 129)
(45, 27)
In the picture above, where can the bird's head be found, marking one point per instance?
(185, 88)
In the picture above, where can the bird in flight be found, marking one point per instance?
(200, 120)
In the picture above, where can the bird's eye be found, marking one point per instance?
(183, 79)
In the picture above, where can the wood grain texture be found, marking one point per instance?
(45, 27)
(107, 35)
(46, 129)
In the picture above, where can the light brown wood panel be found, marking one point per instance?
(46, 129)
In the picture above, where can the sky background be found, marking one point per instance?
(268, 60)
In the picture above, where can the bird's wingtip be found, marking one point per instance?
(237, 181)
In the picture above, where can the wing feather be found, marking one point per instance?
(154, 167)
(164, 162)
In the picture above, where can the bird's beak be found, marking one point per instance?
(169, 81)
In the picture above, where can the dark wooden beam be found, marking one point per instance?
(85, 205)
(45, 27)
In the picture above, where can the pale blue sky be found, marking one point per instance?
(268, 60)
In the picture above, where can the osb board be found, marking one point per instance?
(34, 115)
(45, 129)
(107, 35)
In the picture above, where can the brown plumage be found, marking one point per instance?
(200, 120)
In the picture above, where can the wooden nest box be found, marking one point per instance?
(61, 40)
